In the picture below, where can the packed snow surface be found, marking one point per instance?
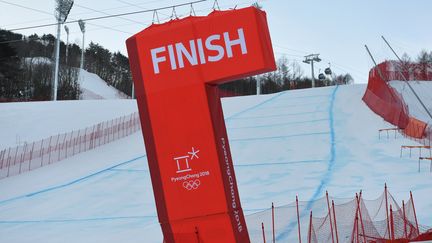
(296, 142)
(93, 87)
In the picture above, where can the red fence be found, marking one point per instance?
(339, 220)
(388, 103)
(30, 156)
(383, 99)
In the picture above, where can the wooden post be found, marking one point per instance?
(263, 232)
(298, 220)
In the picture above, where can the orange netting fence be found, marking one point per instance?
(29, 156)
(339, 220)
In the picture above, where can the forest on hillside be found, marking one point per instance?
(27, 70)
(27, 67)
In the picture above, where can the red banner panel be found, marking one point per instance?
(176, 67)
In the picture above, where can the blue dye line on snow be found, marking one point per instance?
(281, 163)
(128, 170)
(278, 137)
(255, 106)
(72, 182)
(74, 220)
(278, 124)
(327, 176)
(281, 115)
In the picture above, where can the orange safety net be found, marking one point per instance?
(415, 128)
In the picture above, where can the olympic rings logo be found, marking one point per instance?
(191, 185)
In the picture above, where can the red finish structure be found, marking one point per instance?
(176, 68)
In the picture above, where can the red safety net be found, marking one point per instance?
(388, 103)
(29, 156)
(339, 220)
(384, 100)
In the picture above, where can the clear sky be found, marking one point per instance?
(336, 29)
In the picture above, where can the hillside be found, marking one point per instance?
(93, 87)
(300, 142)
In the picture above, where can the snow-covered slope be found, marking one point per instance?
(93, 87)
(22, 122)
(298, 142)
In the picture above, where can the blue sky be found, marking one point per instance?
(337, 29)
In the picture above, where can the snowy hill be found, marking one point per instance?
(94, 88)
(297, 142)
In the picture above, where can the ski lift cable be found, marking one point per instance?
(110, 16)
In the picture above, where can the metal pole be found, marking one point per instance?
(67, 43)
(57, 56)
(406, 80)
(83, 51)
(258, 86)
(313, 75)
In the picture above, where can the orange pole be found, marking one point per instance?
(392, 223)
(335, 223)
(387, 215)
(330, 218)
(415, 215)
(405, 220)
(273, 224)
(310, 228)
(298, 220)
(361, 218)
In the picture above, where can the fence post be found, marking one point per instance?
(392, 223)
(335, 222)
(42, 150)
(330, 218)
(22, 157)
(405, 220)
(16, 154)
(387, 214)
(298, 219)
(415, 215)
(310, 228)
(49, 151)
(62, 146)
(263, 232)
(2, 158)
(31, 156)
(360, 214)
(273, 223)
(8, 161)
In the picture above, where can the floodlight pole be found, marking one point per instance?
(82, 27)
(57, 55)
(310, 59)
(63, 10)
(67, 42)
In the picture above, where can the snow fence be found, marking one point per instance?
(338, 220)
(385, 101)
(16, 160)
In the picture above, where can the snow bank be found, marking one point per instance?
(93, 87)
